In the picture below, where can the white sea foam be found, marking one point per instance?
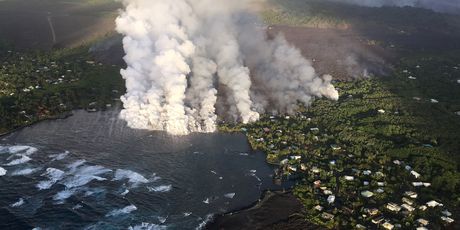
(161, 188)
(60, 156)
(3, 149)
(125, 210)
(162, 219)
(94, 191)
(54, 175)
(22, 160)
(73, 166)
(3, 171)
(154, 178)
(148, 226)
(24, 172)
(133, 177)
(84, 175)
(125, 192)
(206, 220)
(187, 214)
(64, 195)
(18, 203)
(22, 148)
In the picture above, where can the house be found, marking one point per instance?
(367, 172)
(314, 169)
(381, 184)
(377, 220)
(426, 184)
(393, 207)
(359, 226)
(421, 228)
(423, 207)
(267, 130)
(331, 199)
(381, 111)
(408, 207)
(365, 182)
(412, 78)
(314, 129)
(415, 174)
(296, 157)
(319, 208)
(336, 147)
(327, 216)
(397, 162)
(303, 167)
(407, 201)
(446, 213)
(423, 222)
(283, 162)
(433, 204)
(292, 168)
(327, 192)
(411, 194)
(417, 184)
(367, 194)
(379, 190)
(447, 219)
(373, 211)
(434, 101)
(388, 225)
(317, 183)
(349, 178)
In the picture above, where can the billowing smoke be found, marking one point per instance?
(189, 61)
(449, 6)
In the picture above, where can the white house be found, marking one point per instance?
(393, 207)
(367, 194)
(411, 194)
(331, 199)
(415, 174)
(433, 204)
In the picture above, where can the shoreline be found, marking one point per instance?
(52, 118)
(274, 210)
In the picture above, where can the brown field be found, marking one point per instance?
(375, 39)
(29, 24)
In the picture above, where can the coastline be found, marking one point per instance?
(274, 210)
(52, 118)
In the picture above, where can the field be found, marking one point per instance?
(350, 39)
(46, 24)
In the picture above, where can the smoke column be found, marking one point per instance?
(189, 61)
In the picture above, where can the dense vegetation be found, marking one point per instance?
(40, 85)
(375, 140)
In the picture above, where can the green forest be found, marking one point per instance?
(385, 138)
(41, 85)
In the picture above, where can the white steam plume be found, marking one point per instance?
(187, 59)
